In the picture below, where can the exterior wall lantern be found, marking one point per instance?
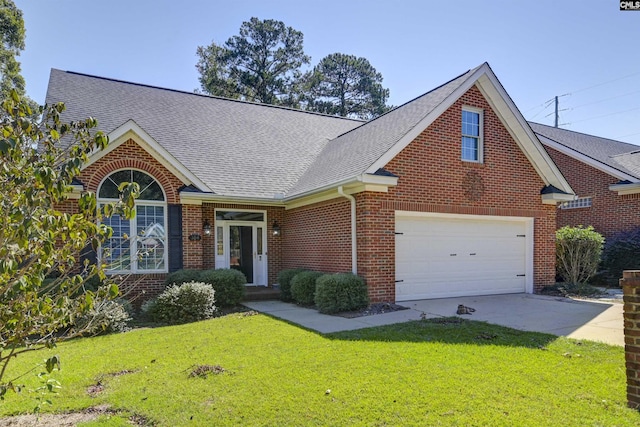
(276, 228)
(206, 228)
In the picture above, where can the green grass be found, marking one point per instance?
(419, 373)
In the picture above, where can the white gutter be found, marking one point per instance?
(354, 236)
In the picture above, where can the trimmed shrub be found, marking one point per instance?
(228, 284)
(284, 280)
(184, 303)
(622, 252)
(578, 252)
(303, 287)
(107, 316)
(182, 276)
(340, 292)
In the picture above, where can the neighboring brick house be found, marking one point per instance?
(605, 175)
(449, 194)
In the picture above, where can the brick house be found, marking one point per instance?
(605, 175)
(449, 194)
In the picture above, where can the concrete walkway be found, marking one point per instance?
(580, 319)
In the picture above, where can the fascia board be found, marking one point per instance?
(625, 189)
(521, 132)
(586, 159)
(425, 122)
(130, 129)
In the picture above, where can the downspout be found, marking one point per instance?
(354, 236)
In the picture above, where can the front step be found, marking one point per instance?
(261, 293)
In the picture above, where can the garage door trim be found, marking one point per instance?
(528, 226)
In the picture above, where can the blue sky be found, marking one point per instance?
(538, 49)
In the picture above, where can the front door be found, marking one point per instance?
(240, 244)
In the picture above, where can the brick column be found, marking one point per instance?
(631, 286)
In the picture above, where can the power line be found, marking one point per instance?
(607, 82)
(606, 115)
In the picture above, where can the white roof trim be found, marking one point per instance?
(624, 189)
(555, 198)
(586, 159)
(508, 113)
(131, 130)
(422, 125)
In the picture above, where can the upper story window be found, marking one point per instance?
(139, 244)
(471, 135)
(580, 202)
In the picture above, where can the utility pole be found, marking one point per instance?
(556, 112)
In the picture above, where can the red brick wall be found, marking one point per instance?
(609, 212)
(432, 179)
(318, 237)
(131, 155)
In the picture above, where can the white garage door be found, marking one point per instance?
(460, 255)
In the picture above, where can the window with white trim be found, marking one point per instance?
(139, 244)
(471, 135)
(580, 202)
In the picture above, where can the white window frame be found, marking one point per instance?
(133, 225)
(479, 137)
(579, 203)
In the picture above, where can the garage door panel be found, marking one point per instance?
(439, 257)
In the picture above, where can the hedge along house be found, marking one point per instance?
(449, 194)
(605, 175)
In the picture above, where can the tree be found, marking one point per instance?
(347, 86)
(12, 36)
(260, 64)
(41, 276)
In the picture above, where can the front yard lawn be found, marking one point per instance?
(266, 372)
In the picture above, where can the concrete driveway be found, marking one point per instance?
(592, 320)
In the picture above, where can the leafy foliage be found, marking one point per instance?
(107, 316)
(183, 276)
(303, 287)
(284, 280)
(185, 303)
(12, 36)
(37, 240)
(340, 292)
(260, 64)
(621, 252)
(346, 86)
(578, 252)
(228, 284)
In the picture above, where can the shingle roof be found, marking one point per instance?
(352, 153)
(236, 148)
(618, 155)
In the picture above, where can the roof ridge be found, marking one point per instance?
(204, 95)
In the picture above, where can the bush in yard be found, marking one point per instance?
(284, 280)
(578, 252)
(303, 287)
(182, 276)
(228, 284)
(188, 302)
(106, 316)
(341, 292)
(622, 252)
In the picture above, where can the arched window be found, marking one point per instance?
(139, 244)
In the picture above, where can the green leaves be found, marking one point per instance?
(52, 363)
(578, 252)
(42, 280)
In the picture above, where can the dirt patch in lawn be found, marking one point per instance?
(373, 309)
(70, 419)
